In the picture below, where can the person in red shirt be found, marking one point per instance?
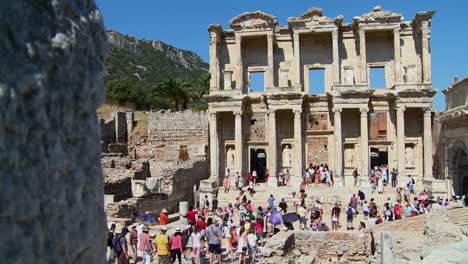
(190, 215)
(163, 217)
(201, 223)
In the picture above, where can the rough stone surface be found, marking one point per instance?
(51, 180)
(453, 253)
(281, 243)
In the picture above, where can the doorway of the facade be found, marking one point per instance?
(378, 157)
(258, 161)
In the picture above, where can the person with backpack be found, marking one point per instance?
(110, 236)
(350, 212)
(214, 236)
(120, 247)
(388, 213)
(161, 243)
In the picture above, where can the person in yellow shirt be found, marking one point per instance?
(161, 243)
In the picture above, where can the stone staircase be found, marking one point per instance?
(459, 216)
(328, 196)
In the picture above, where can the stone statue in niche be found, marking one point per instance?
(349, 75)
(409, 157)
(349, 158)
(230, 158)
(410, 74)
(227, 79)
(284, 74)
(287, 156)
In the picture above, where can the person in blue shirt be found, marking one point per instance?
(271, 201)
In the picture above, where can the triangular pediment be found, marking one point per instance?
(251, 21)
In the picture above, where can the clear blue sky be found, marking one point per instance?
(184, 23)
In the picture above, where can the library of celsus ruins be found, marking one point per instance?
(283, 97)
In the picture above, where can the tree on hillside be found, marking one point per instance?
(120, 91)
(179, 92)
(203, 88)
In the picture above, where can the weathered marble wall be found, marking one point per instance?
(51, 84)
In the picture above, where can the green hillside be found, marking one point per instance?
(135, 69)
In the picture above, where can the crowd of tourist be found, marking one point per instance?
(240, 227)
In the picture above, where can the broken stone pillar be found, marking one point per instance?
(183, 209)
(120, 119)
(386, 244)
(51, 84)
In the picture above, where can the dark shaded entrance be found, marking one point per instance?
(258, 162)
(378, 157)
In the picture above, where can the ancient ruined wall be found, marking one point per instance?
(167, 132)
(50, 178)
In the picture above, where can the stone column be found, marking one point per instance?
(338, 145)
(427, 144)
(364, 145)
(273, 149)
(401, 141)
(397, 54)
(238, 140)
(270, 75)
(214, 81)
(336, 57)
(297, 60)
(214, 147)
(298, 142)
(426, 53)
(183, 209)
(362, 52)
(239, 66)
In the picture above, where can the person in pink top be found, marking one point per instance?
(176, 246)
(145, 245)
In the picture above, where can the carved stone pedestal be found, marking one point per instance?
(435, 187)
(209, 188)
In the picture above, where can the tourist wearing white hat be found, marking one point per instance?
(145, 245)
(176, 246)
(162, 247)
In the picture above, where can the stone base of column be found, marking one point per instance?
(209, 188)
(272, 181)
(296, 181)
(435, 187)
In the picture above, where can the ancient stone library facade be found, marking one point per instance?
(282, 97)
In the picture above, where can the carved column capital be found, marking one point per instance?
(396, 31)
(362, 32)
(271, 112)
(364, 111)
(335, 34)
(337, 110)
(427, 112)
(401, 109)
(212, 115)
(297, 112)
(237, 113)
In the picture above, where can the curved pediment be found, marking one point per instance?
(313, 16)
(380, 16)
(250, 21)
